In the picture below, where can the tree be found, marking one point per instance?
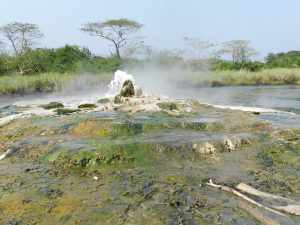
(197, 46)
(21, 36)
(238, 50)
(116, 31)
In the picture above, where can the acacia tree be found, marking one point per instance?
(197, 46)
(21, 36)
(116, 31)
(238, 50)
(2, 48)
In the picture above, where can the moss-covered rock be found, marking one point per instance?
(53, 105)
(167, 106)
(64, 111)
(103, 100)
(86, 106)
(117, 99)
(127, 89)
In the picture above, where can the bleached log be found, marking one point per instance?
(5, 154)
(292, 208)
(258, 215)
(250, 190)
(228, 189)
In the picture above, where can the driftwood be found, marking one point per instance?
(228, 189)
(257, 214)
(292, 208)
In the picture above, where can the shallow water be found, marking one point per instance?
(285, 98)
(281, 97)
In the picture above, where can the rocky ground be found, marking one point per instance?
(142, 160)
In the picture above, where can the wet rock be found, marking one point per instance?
(233, 143)
(103, 100)
(86, 106)
(127, 89)
(64, 111)
(167, 106)
(204, 148)
(117, 99)
(53, 105)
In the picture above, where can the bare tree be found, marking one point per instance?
(238, 50)
(116, 31)
(168, 57)
(2, 48)
(21, 36)
(197, 46)
(133, 50)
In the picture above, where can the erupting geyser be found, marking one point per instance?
(116, 85)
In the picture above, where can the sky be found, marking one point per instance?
(269, 25)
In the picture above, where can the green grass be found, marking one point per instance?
(49, 82)
(277, 76)
(45, 82)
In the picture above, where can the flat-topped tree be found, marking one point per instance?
(117, 31)
(18, 40)
(21, 36)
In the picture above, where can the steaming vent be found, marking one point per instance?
(116, 84)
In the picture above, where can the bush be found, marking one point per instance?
(289, 59)
(228, 65)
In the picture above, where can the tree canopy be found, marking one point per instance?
(117, 31)
(238, 50)
(21, 36)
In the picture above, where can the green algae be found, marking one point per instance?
(86, 106)
(82, 169)
(103, 100)
(65, 111)
(167, 106)
(53, 105)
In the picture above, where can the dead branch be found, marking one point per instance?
(250, 190)
(293, 208)
(257, 214)
(228, 189)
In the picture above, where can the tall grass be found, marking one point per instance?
(274, 76)
(277, 76)
(49, 82)
(45, 82)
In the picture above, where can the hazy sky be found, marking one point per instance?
(270, 25)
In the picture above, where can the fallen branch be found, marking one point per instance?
(257, 214)
(293, 208)
(228, 189)
(5, 154)
(250, 190)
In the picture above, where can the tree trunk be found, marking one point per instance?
(118, 53)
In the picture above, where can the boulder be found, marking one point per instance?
(53, 105)
(127, 89)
